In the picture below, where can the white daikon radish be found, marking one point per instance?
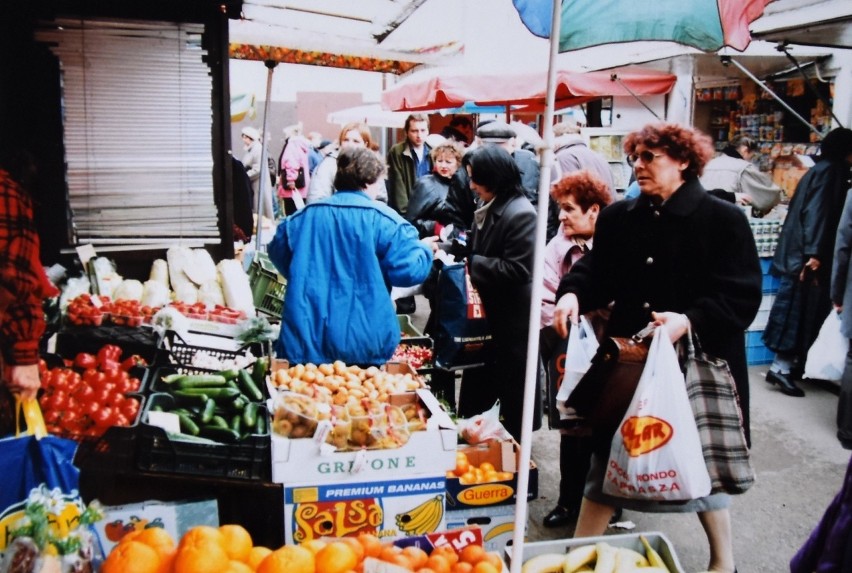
(178, 258)
(129, 289)
(155, 294)
(200, 267)
(160, 272)
(187, 293)
(210, 293)
(235, 286)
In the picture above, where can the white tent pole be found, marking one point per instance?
(530, 395)
(264, 175)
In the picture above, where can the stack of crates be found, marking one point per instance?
(267, 286)
(756, 351)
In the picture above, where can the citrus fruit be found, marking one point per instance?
(461, 567)
(157, 538)
(336, 557)
(494, 559)
(438, 563)
(237, 541)
(417, 556)
(485, 567)
(201, 534)
(372, 544)
(235, 566)
(132, 557)
(288, 559)
(356, 546)
(314, 545)
(257, 554)
(201, 557)
(472, 554)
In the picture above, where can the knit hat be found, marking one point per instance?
(251, 132)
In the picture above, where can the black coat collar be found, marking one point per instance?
(682, 203)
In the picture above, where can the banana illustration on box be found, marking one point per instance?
(425, 518)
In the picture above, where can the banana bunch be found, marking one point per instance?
(425, 518)
(600, 558)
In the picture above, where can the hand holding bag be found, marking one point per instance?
(582, 347)
(827, 355)
(656, 454)
(715, 406)
(604, 392)
(459, 326)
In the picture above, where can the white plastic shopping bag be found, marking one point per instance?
(582, 345)
(656, 452)
(827, 355)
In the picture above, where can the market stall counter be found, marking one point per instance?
(109, 473)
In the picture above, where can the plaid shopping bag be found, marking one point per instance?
(715, 405)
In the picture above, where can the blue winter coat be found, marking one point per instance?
(340, 257)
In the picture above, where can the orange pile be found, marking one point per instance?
(470, 474)
(229, 549)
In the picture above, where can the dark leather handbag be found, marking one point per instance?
(603, 394)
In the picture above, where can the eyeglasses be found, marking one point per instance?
(646, 157)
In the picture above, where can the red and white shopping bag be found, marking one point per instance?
(656, 452)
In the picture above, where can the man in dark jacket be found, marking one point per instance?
(461, 201)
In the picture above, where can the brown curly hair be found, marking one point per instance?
(587, 189)
(680, 142)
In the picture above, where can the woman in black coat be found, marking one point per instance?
(680, 258)
(427, 206)
(502, 246)
(803, 261)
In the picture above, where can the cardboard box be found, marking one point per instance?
(311, 460)
(496, 522)
(630, 540)
(176, 517)
(390, 508)
(505, 457)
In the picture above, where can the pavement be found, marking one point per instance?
(799, 463)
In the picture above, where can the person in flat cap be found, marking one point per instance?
(251, 159)
(461, 200)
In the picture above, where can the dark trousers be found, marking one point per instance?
(844, 404)
(575, 453)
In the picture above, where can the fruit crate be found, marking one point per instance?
(72, 340)
(176, 350)
(658, 541)
(267, 286)
(756, 351)
(159, 451)
(770, 283)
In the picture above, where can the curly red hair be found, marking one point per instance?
(679, 142)
(587, 189)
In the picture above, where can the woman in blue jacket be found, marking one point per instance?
(340, 257)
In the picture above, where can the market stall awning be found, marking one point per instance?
(373, 35)
(808, 23)
(445, 88)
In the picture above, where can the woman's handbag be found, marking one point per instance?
(656, 452)
(605, 390)
(459, 326)
(715, 405)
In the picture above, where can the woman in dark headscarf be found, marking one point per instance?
(501, 263)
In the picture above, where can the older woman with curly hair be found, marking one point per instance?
(580, 196)
(678, 257)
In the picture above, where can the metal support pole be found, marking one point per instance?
(615, 78)
(264, 176)
(822, 98)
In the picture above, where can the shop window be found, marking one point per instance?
(137, 123)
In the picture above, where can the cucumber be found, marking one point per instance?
(236, 423)
(218, 394)
(240, 403)
(201, 381)
(207, 413)
(260, 427)
(219, 422)
(250, 415)
(249, 388)
(172, 378)
(189, 399)
(187, 425)
(224, 435)
(230, 374)
(259, 371)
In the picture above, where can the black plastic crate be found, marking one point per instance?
(72, 340)
(175, 350)
(157, 451)
(156, 384)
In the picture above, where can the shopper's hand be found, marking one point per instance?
(567, 308)
(742, 198)
(23, 380)
(676, 324)
(838, 308)
(431, 242)
(460, 250)
(811, 266)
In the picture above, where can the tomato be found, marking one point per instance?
(103, 418)
(132, 362)
(91, 407)
(109, 352)
(84, 393)
(130, 408)
(85, 360)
